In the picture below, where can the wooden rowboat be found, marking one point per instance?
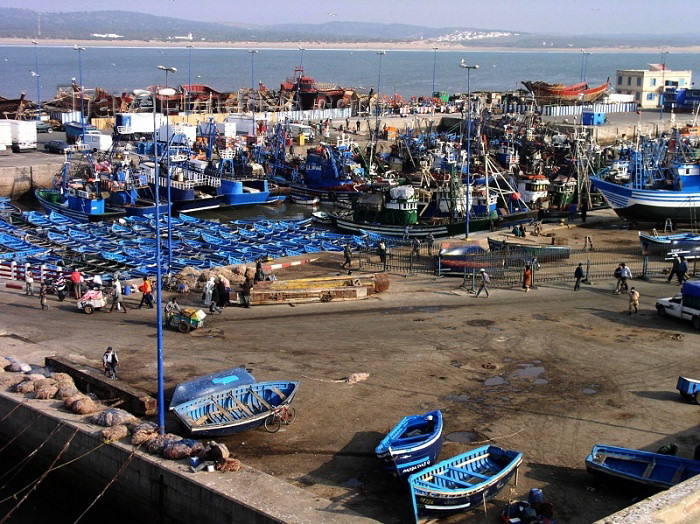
(463, 482)
(413, 444)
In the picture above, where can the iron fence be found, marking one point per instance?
(506, 267)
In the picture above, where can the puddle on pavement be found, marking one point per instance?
(463, 437)
(528, 371)
(480, 322)
(591, 389)
(457, 398)
(495, 381)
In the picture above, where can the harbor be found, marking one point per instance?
(489, 369)
(335, 304)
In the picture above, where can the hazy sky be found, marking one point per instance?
(542, 16)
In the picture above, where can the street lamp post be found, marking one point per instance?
(663, 84)
(584, 64)
(432, 93)
(82, 94)
(167, 161)
(379, 83)
(142, 93)
(469, 146)
(38, 80)
(252, 86)
(189, 79)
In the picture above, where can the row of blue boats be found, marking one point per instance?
(130, 244)
(410, 451)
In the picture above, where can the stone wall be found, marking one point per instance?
(17, 182)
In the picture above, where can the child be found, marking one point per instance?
(42, 297)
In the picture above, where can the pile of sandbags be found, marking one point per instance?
(45, 388)
(143, 432)
(80, 404)
(156, 445)
(182, 449)
(113, 417)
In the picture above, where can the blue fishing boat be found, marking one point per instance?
(413, 444)
(643, 470)
(666, 243)
(463, 482)
(234, 409)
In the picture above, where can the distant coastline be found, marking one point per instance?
(419, 45)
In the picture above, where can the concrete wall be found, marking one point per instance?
(161, 490)
(18, 181)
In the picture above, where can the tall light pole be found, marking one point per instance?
(82, 90)
(167, 161)
(584, 63)
(189, 78)
(298, 79)
(469, 68)
(379, 84)
(38, 79)
(301, 59)
(432, 93)
(252, 86)
(663, 84)
(142, 93)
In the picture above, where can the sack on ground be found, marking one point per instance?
(114, 433)
(112, 417)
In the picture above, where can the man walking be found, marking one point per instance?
(578, 275)
(634, 301)
(415, 251)
(485, 281)
(625, 275)
(347, 253)
(430, 240)
(245, 294)
(147, 289)
(682, 273)
(28, 280)
(110, 361)
(381, 251)
(117, 296)
(76, 279)
(674, 268)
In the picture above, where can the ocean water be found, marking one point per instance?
(408, 73)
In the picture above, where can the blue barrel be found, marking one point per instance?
(536, 496)
(126, 290)
(194, 461)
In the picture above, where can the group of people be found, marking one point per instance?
(217, 290)
(679, 269)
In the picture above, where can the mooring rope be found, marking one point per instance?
(26, 459)
(65, 447)
(121, 469)
(18, 435)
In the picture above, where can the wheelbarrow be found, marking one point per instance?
(91, 300)
(185, 324)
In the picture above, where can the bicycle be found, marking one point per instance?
(282, 415)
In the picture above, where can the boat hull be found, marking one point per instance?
(234, 410)
(48, 205)
(649, 205)
(444, 488)
(643, 470)
(413, 444)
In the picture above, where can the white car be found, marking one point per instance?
(678, 307)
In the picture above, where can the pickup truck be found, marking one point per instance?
(685, 305)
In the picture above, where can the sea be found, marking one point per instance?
(407, 73)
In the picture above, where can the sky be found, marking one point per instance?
(537, 16)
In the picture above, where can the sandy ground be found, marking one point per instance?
(422, 45)
(571, 370)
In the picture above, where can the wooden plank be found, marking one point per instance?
(649, 469)
(468, 472)
(677, 475)
(222, 410)
(453, 480)
(261, 400)
(279, 393)
(241, 406)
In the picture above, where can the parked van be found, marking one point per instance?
(297, 129)
(96, 141)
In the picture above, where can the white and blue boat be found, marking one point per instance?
(413, 444)
(678, 242)
(233, 409)
(463, 482)
(656, 191)
(643, 470)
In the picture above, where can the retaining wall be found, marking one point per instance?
(161, 490)
(17, 182)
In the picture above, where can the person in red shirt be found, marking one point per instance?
(147, 291)
(76, 278)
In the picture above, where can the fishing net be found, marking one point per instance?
(112, 417)
(8, 380)
(114, 433)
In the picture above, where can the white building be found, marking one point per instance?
(647, 85)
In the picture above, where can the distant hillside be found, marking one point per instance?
(25, 23)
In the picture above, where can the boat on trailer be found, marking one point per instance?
(643, 470)
(463, 482)
(413, 444)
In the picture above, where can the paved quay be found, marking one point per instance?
(549, 373)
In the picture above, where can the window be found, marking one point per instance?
(619, 80)
(681, 81)
(653, 82)
(639, 82)
(636, 97)
(650, 96)
(629, 80)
